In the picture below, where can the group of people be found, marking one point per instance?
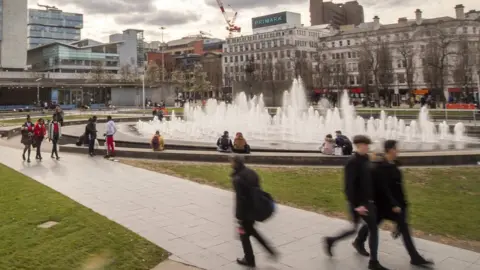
(239, 144)
(89, 136)
(34, 134)
(341, 142)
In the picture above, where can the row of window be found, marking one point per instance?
(259, 36)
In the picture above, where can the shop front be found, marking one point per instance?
(70, 98)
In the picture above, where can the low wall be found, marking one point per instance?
(129, 96)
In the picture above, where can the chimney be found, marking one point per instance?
(376, 22)
(402, 20)
(418, 16)
(460, 11)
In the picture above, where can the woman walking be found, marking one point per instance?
(39, 132)
(54, 134)
(27, 138)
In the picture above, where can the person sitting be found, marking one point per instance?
(344, 142)
(157, 142)
(224, 144)
(328, 147)
(240, 145)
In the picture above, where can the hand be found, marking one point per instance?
(397, 210)
(362, 210)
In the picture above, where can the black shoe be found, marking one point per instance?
(244, 262)
(58, 158)
(28, 160)
(396, 234)
(40, 158)
(91, 154)
(360, 248)
(37, 158)
(328, 246)
(106, 156)
(23, 156)
(52, 156)
(375, 265)
(420, 261)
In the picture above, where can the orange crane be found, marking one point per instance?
(231, 27)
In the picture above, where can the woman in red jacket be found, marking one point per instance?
(39, 132)
(27, 138)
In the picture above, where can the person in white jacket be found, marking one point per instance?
(111, 129)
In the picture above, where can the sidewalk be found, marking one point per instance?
(195, 222)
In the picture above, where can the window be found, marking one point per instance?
(257, 46)
(241, 58)
(269, 55)
(288, 53)
(401, 78)
(236, 69)
(349, 55)
(354, 55)
(333, 44)
(236, 58)
(241, 48)
(282, 42)
(465, 30)
(275, 55)
(258, 56)
(274, 43)
(246, 47)
(231, 69)
(340, 43)
(231, 59)
(348, 42)
(226, 59)
(226, 69)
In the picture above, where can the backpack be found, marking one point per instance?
(264, 205)
(225, 142)
(155, 141)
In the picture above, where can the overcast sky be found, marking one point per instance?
(187, 17)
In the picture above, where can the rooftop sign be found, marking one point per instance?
(269, 20)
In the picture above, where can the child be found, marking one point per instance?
(328, 146)
(157, 142)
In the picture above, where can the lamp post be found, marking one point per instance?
(38, 91)
(143, 92)
(163, 55)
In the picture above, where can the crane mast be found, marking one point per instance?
(231, 27)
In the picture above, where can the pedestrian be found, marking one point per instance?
(391, 202)
(245, 180)
(54, 135)
(111, 129)
(27, 138)
(39, 132)
(91, 135)
(359, 192)
(58, 115)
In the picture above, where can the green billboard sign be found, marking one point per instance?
(269, 20)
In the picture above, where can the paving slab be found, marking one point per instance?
(172, 265)
(195, 222)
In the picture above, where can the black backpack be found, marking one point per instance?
(225, 142)
(263, 204)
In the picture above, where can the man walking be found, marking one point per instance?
(111, 129)
(244, 181)
(359, 192)
(391, 202)
(91, 135)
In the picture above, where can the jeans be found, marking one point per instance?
(402, 226)
(371, 227)
(249, 230)
(91, 144)
(55, 145)
(39, 141)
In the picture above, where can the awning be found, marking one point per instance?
(357, 90)
(454, 90)
(421, 91)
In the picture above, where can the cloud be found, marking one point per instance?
(108, 7)
(386, 3)
(160, 18)
(248, 4)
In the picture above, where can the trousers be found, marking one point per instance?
(370, 225)
(110, 145)
(247, 229)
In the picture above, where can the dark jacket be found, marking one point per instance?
(244, 180)
(343, 141)
(358, 181)
(58, 116)
(27, 133)
(225, 142)
(91, 129)
(388, 185)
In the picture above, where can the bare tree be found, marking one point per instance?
(98, 73)
(250, 72)
(126, 74)
(385, 72)
(436, 59)
(197, 82)
(407, 56)
(303, 69)
(152, 75)
(367, 65)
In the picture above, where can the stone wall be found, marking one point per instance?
(134, 97)
(272, 94)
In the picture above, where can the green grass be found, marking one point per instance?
(81, 238)
(444, 202)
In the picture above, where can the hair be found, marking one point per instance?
(330, 136)
(157, 132)
(28, 116)
(109, 117)
(361, 139)
(225, 133)
(94, 117)
(389, 145)
(338, 132)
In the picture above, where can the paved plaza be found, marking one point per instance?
(195, 222)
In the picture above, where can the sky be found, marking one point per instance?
(188, 17)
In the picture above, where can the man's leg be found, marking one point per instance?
(371, 221)
(253, 232)
(39, 151)
(111, 144)
(359, 243)
(91, 145)
(330, 241)
(249, 258)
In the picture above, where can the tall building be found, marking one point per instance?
(13, 34)
(337, 14)
(132, 48)
(50, 25)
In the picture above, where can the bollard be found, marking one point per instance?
(474, 118)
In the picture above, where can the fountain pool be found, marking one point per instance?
(297, 126)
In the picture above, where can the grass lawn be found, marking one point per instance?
(81, 240)
(444, 201)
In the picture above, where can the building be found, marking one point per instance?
(185, 45)
(212, 65)
(345, 58)
(131, 49)
(154, 46)
(213, 45)
(272, 22)
(347, 13)
(50, 25)
(13, 34)
(85, 56)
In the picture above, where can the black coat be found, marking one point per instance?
(91, 130)
(244, 180)
(358, 181)
(388, 186)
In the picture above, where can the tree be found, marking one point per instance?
(250, 72)
(385, 73)
(126, 74)
(407, 56)
(197, 81)
(152, 74)
(303, 69)
(367, 64)
(98, 73)
(437, 53)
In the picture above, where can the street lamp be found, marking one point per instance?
(143, 92)
(163, 55)
(38, 91)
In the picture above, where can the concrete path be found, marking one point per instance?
(195, 222)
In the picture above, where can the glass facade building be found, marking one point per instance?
(47, 26)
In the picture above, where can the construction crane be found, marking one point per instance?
(203, 34)
(48, 7)
(231, 27)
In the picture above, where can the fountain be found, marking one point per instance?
(295, 125)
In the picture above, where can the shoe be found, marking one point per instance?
(420, 261)
(360, 248)
(106, 157)
(274, 256)
(37, 158)
(58, 158)
(91, 154)
(244, 262)
(375, 265)
(23, 157)
(328, 246)
(396, 234)
(40, 158)
(52, 156)
(28, 160)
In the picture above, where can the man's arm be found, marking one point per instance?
(239, 199)
(381, 179)
(350, 182)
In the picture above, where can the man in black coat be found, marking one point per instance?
(91, 135)
(391, 202)
(244, 181)
(343, 142)
(359, 192)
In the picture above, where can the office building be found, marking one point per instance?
(13, 34)
(276, 21)
(131, 49)
(347, 13)
(50, 25)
